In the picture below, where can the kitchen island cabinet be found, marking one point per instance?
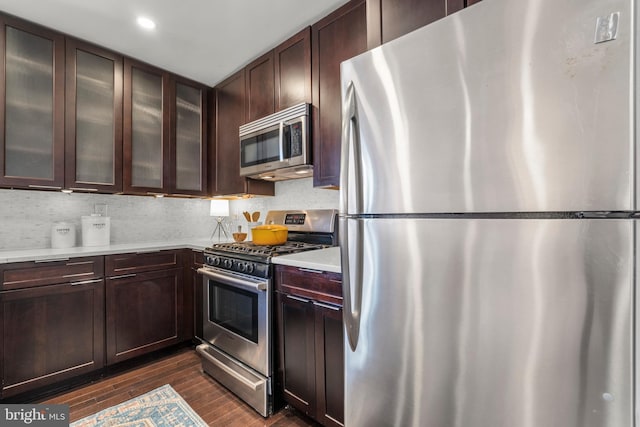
(52, 322)
(310, 371)
(144, 303)
(339, 36)
(32, 107)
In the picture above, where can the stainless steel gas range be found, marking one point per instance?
(238, 318)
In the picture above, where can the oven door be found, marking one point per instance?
(236, 318)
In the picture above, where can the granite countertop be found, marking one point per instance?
(45, 254)
(322, 259)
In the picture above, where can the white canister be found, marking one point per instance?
(63, 235)
(96, 230)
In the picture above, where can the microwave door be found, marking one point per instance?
(259, 149)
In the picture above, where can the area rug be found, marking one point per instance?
(160, 407)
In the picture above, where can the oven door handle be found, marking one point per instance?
(229, 371)
(239, 282)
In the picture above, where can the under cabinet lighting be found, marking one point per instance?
(67, 191)
(146, 23)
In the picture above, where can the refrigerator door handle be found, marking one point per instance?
(350, 144)
(351, 289)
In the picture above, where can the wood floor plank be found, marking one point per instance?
(216, 405)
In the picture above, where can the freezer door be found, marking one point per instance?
(490, 323)
(505, 106)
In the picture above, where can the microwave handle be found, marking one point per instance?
(281, 139)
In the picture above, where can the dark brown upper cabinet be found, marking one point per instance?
(260, 92)
(230, 113)
(147, 130)
(390, 19)
(292, 60)
(188, 138)
(32, 107)
(93, 141)
(339, 36)
(280, 78)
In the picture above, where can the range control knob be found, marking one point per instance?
(242, 267)
(249, 268)
(227, 263)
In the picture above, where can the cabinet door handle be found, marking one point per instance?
(123, 276)
(45, 187)
(94, 190)
(308, 270)
(38, 261)
(85, 282)
(298, 299)
(329, 306)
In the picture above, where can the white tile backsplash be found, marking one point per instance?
(293, 194)
(26, 216)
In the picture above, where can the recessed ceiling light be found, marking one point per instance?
(146, 23)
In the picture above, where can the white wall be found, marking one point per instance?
(26, 216)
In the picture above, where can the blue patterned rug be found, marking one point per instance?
(160, 407)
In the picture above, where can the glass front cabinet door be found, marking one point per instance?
(32, 107)
(93, 119)
(189, 171)
(146, 129)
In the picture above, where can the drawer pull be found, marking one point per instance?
(79, 263)
(329, 306)
(308, 270)
(85, 282)
(38, 261)
(123, 276)
(298, 299)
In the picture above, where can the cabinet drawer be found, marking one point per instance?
(116, 265)
(29, 274)
(314, 284)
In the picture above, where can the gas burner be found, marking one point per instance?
(249, 248)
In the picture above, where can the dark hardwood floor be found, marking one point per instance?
(215, 404)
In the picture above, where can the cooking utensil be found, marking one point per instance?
(239, 236)
(269, 234)
(247, 216)
(255, 216)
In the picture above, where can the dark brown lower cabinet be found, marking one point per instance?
(50, 333)
(144, 313)
(197, 288)
(311, 356)
(329, 365)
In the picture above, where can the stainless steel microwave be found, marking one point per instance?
(277, 147)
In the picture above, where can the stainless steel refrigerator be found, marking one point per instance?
(488, 202)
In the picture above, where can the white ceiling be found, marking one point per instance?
(205, 40)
